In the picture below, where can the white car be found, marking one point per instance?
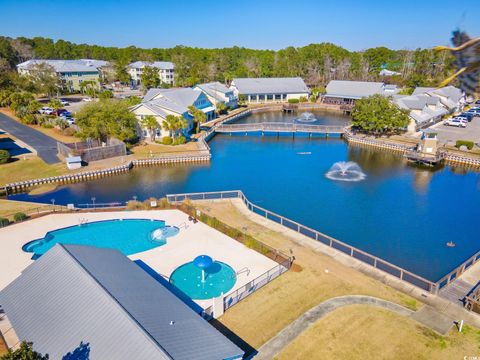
(87, 99)
(64, 102)
(46, 110)
(455, 122)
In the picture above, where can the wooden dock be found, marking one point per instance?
(425, 159)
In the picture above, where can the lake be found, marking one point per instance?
(401, 213)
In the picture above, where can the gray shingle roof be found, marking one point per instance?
(62, 66)
(292, 85)
(75, 294)
(163, 65)
(177, 100)
(355, 89)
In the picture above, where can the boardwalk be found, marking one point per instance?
(278, 127)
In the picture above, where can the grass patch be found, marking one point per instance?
(29, 168)
(282, 301)
(367, 332)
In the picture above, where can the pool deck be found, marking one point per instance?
(192, 240)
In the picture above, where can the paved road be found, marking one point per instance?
(45, 146)
(292, 331)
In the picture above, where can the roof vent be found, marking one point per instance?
(172, 322)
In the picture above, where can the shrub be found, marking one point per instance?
(468, 144)
(47, 125)
(167, 140)
(303, 99)
(313, 98)
(293, 101)
(69, 131)
(4, 222)
(4, 156)
(19, 216)
(180, 140)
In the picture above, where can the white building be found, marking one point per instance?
(261, 90)
(217, 93)
(346, 92)
(71, 73)
(163, 102)
(428, 106)
(166, 71)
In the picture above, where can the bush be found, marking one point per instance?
(47, 126)
(303, 99)
(313, 98)
(468, 144)
(167, 140)
(180, 140)
(19, 216)
(293, 101)
(69, 131)
(4, 222)
(4, 156)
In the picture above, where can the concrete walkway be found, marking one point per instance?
(45, 146)
(292, 331)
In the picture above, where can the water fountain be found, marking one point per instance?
(203, 262)
(346, 171)
(307, 117)
(161, 234)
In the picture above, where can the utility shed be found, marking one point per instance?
(81, 298)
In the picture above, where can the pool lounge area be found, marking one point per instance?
(184, 241)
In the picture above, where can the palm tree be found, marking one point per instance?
(150, 123)
(198, 116)
(174, 124)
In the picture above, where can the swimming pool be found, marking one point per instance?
(129, 236)
(219, 278)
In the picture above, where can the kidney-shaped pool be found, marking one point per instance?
(129, 236)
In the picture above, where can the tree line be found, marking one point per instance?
(317, 64)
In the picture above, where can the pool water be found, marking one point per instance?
(219, 278)
(129, 236)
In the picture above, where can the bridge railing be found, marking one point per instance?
(349, 250)
(277, 126)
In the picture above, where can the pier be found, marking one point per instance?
(278, 127)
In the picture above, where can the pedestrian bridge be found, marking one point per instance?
(280, 127)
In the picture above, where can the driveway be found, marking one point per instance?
(45, 146)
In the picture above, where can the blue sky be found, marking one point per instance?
(258, 24)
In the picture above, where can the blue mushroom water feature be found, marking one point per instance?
(203, 262)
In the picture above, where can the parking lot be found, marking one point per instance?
(452, 134)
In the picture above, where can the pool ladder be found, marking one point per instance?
(183, 225)
(82, 221)
(243, 270)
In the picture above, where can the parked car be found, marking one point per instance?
(46, 110)
(59, 112)
(66, 114)
(87, 99)
(474, 112)
(64, 102)
(468, 116)
(455, 122)
(70, 121)
(463, 118)
(477, 102)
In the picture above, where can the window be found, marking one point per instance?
(269, 97)
(261, 97)
(278, 97)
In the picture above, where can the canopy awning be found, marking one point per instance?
(208, 109)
